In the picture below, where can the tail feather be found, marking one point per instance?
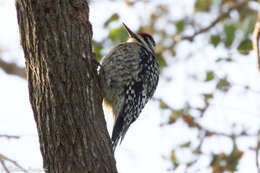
(116, 132)
(119, 131)
(129, 108)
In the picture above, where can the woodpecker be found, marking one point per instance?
(129, 75)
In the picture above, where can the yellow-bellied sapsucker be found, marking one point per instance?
(129, 75)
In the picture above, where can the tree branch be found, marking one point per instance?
(217, 20)
(9, 136)
(4, 166)
(256, 37)
(4, 158)
(12, 68)
(257, 153)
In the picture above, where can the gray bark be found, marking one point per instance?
(63, 86)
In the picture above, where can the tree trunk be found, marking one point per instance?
(63, 86)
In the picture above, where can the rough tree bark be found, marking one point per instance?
(63, 86)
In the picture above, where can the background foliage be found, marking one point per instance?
(224, 26)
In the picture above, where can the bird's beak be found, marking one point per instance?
(130, 33)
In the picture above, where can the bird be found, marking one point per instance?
(129, 76)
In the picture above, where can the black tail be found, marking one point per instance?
(119, 131)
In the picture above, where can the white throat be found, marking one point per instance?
(131, 40)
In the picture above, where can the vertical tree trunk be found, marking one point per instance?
(63, 86)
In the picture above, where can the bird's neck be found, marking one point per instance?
(131, 40)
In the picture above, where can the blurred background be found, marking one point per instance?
(205, 115)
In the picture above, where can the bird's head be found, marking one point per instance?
(142, 38)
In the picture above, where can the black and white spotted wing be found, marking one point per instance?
(137, 95)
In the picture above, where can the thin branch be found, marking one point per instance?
(4, 158)
(9, 136)
(4, 166)
(256, 38)
(12, 68)
(217, 20)
(208, 132)
(257, 153)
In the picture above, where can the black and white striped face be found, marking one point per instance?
(148, 40)
(143, 38)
